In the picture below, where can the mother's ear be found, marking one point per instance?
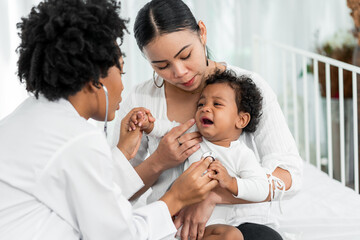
(242, 120)
(203, 32)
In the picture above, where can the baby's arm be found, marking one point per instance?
(223, 177)
(251, 179)
(143, 119)
(250, 184)
(146, 122)
(162, 127)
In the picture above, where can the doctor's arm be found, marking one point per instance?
(83, 184)
(82, 188)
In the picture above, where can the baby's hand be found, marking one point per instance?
(143, 119)
(220, 173)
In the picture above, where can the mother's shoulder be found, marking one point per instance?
(258, 80)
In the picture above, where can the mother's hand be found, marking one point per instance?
(169, 154)
(175, 147)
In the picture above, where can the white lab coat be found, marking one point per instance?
(60, 180)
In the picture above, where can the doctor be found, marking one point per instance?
(58, 177)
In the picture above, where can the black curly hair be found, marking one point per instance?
(68, 43)
(247, 95)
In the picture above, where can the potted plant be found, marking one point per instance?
(341, 47)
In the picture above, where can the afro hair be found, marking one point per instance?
(68, 43)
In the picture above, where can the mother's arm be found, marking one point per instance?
(194, 218)
(275, 144)
(169, 154)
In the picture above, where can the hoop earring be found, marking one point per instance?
(206, 56)
(156, 80)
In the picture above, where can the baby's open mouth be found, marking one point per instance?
(206, 121)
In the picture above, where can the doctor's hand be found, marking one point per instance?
(194, 218)
(129, 141)
(192, 186)
(175, 147)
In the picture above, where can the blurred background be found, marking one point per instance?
(231, 25)
(321, 26)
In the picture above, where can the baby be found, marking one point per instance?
(228, 105)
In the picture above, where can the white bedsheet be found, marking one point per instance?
(324, 209)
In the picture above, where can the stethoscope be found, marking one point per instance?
(107, 108)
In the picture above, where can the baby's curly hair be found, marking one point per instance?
(247, 95)
(68, 43)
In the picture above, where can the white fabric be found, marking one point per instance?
(323, 210)
(279, 188)
(122, 179)
(241, 163)
(272, 142)
(163, 126)
(56, 180)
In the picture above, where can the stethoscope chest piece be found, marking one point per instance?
(209, 154)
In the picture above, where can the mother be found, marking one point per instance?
(175, 46)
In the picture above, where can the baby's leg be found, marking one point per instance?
(222, 232)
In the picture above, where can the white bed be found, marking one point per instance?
(324, 209)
